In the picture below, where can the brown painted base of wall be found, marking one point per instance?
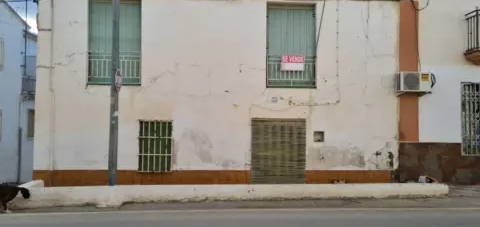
(443, 161)
(126, 177)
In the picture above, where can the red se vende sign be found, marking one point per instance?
(293, 59)
(293, 63)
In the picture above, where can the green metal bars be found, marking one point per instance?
(155, 146)
(471, 118)
(291, 31)
(100, 41)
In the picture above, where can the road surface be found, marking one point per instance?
(371, 217)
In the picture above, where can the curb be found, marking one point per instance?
(115, 196)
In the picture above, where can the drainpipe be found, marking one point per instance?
(19, 164)
(25, 41)
(21, 98)
(19, 140)
(52, 126)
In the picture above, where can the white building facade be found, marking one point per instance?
(205, 98)
(17, 90)
(448, 145)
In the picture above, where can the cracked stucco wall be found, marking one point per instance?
(203, 66)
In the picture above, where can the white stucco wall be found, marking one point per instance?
(203, 66)
(31, 46)
(11, 31)
(442, 44)
(27, 142)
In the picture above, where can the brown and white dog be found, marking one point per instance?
(9, 192)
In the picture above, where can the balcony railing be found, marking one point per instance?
(290, 79)
(29, 78)
(472, 52)
(99, 68)
(28, 84)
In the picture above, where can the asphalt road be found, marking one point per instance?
(370, 217)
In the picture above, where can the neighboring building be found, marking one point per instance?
(208, 100)
(17, 93)
(449, 118)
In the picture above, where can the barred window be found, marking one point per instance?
(471, 118)
(155, 146)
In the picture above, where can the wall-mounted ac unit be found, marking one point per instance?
(414, 82)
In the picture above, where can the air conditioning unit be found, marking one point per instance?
(414, 82)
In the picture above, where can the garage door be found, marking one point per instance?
(278, 151)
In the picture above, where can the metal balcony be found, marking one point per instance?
(99, 68)
(29, 78)
(472, 52)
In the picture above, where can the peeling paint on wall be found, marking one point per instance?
(330, 157)
(198, 144)
(353, 158)
(213, 85)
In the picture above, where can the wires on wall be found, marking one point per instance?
(417, 33)
(422, 8)
(320, 26)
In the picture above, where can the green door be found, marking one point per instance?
(278, 151)
(291, 31)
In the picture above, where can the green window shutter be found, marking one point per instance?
(100, 27)
(291, 31)
(100, 41)
(130, 27)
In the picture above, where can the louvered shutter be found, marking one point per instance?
(278, 151)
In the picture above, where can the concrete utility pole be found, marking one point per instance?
(114, 90)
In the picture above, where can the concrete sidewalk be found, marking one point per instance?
(250, 217)
(105, 196)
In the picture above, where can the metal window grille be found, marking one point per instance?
(155, 146)
(290, 79)
(473, 28)
(471, 118)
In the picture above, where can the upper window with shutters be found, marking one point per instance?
(100, 41)
(291, 46)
